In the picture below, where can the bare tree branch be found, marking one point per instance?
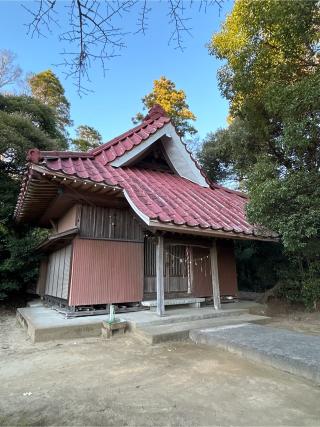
(10, 73)
(94, 32)
(177, 19)
(44, 16)
(143, 16)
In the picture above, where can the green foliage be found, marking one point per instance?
(87, 138)
(173, 101)
(300, 283)
(290, 288)
(289, 204)
(271, 78)
(310, 292)
(259, 264)
(47, 88)
(24, 123)
(265, 42)
(227, 154)
(19, 260)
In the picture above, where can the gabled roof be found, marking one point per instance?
(155, 120)
(163, 200)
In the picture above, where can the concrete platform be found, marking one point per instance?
(289, 351)
(45, 324)
(179, 331)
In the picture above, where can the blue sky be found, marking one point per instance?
(117, 96)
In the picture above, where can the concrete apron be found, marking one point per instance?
(292, 352)
(45, 324)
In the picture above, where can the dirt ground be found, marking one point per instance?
(292, 318)
(308, 323)
(123, 382)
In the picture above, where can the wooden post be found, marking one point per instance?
(160, 277)
(215, 276)
(190, 268)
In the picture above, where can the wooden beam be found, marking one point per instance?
(215, 276)
(54, 225)
(160, 276)
(206, 232)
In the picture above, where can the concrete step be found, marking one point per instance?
(286, 350)
(147, 318)
(154, 334)
(191, 302)
(35, 303)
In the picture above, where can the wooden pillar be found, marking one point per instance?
(160, 277)
(190, 268)
(215, 276)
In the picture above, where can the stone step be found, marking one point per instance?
(191, 302)
(172, 316)
(154, 334)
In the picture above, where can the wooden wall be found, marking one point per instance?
(201, 275)
(109, 223)
(106, 271)
(113, 263)
(42, 277)
(149, 265)
(176, 280)
(69, 220)
(58, 273)
(175, 272)
(227, 267)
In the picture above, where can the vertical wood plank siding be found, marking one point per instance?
(106, 271)
(227, 267)
(149, 265)
(175, 272)
(176, 278)
(109, 223)
(202, 285)
(58, 272)
(41, 283)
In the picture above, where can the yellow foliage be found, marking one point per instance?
(174, 103)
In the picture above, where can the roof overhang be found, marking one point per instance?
(208, 232)
(42, 186)
(58, 241)
(155, 225)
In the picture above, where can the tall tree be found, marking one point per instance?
(10, 72)
(227, 154)
(174, 103)
(271, 78)
(47, 88)
(87, 138)
(24, 123)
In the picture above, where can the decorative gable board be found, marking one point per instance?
(176, 153)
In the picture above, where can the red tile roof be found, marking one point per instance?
(163, 196)
(159, 196)
(154, 120)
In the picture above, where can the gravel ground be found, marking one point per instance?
(123, 382)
